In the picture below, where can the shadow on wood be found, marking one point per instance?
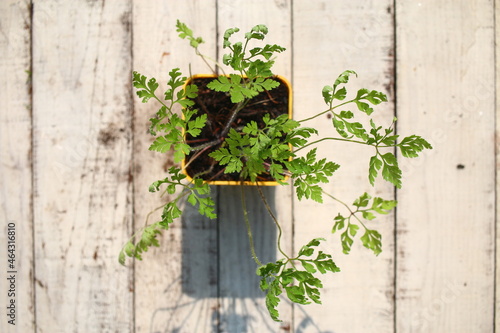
(219, 250)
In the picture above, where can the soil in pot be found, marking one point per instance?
(218, 107)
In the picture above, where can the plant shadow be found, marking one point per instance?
(216, 256)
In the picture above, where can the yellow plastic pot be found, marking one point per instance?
(229, 182)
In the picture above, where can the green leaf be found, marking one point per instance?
(340, 94)
(145, 90)
(327, 93)
(161, 144)
(382, 206)
(180, 151)
(227, 34)
(308, 266)
(272, 300)
(344, 77)
(372, 240)
(195, 126)
(390, 170)
(324, 263)
(296, 294)
(185, 32)
(372, 96)
(411, 146)
(307, 250)
(225, 157)
(362, 201)
(375, 166)
(347, 241)
(258, 32)
(339, 223)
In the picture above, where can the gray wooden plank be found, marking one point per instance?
(16, 192)
(446, 215)
(330, 37)
(176, 284)
(242, 303)
(82, 152)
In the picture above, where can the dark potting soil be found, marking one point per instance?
(218, 107)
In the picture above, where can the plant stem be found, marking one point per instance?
(336, 139)
(353, 213)
(270, 211)
(247, 224)
(329, 110)
(237, 109)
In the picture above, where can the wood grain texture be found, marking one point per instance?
(446, 215)
(497, 159)
(82, 194)
(75, 168)
(15, 166)
(242, 302)
(176, 284)
(330, 37)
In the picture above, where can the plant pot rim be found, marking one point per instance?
(231, 182)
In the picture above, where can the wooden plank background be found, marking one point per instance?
(75, 168)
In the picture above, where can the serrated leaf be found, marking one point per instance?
(364, 107)
(412, 145)
(372, 240)
(382, 206)
(180, 151)
(375, 166)
(340, 94)
(296, 294)
(346, 241)
(272, 300)
(339, 223)
(308, 266)
(326, 264)
(353, 229)
(327, 94)
(362, 201)
(390, 170)
(161, 144)
(344, 77)
(368, 215)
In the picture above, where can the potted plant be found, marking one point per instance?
(243, 145)
(218, 107)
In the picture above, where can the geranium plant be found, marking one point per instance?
(270, 147)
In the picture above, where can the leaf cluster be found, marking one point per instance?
(272, 147)
(256, 150)
(366, 207)
(254, 66)
(167, 126)
(352, 130)
(298, 283)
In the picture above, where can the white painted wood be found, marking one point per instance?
(242, 302)
(446, 215)
(330, 37)
(82, 152)
(15, 167)
(497, 157)
(176, 284)
(92, 169)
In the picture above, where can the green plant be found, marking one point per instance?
(272, 148)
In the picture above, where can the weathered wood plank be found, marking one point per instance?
(176, 284)
(82, 152)
(242, 303)
(15, 168)
(330, 37)
(497, 160)
(446, 215)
